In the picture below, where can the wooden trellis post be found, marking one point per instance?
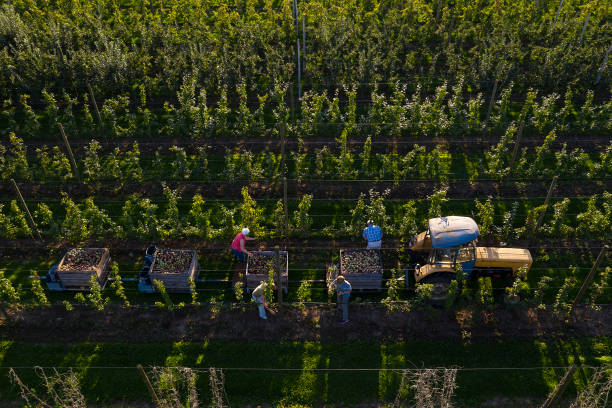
(558, 11)
(145, 378)
(27, 210)
(95, 104)
(590, 277)
(74, 165)
(553, 398)
(286, 208)
(584, 27)
(284, 176)
(303, 43)
(279, 274)
(603, 65)
(492, 100)
(516, 145)
(548, 195)
(299, 70)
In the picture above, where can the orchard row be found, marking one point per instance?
(146, 218)
(127, 165)
(121, 48)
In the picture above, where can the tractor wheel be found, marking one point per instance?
(441, 283)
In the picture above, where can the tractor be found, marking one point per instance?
(450, 242)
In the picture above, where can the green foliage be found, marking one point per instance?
(304, 293)
(301, 162)
(250, 215)
(117, 284)
(243, 165)
(199, 218)
(366, 158)
(519, 288)
(85, 221)
(563, 306)
(540, 291)
(194, 292)
(95, 297)
(269, 287)
(40, 297)
(424, 291)
(8, 293)
(453, 292)
(228, 227)
(600, 287)
(485, 216)
(391, 301)
(180, 168)
(43, 218)
(13, 161)
(167, 303)
(498, 158)
(53, 167)
(532, 219)
(596, 222)
(80, 298)
(74, 226)
(373, 209)
(170, 222)
(67, 305)
(506, 231)
(13, 223)
(408, 226)
(279, 220)
(92, 165)
(301, 217)
(557, 226)
(435, 203)
(239, 291)
(485, 292)
(139, 217)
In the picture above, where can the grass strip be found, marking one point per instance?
(316, 387)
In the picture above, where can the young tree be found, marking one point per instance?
(199, 218)
(301, 217)
(250, 215)
(435, 203)
(485, 216)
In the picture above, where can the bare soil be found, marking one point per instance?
(315, 323)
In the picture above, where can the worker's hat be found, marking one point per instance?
(245, 231)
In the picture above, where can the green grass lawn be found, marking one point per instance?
(523, 377)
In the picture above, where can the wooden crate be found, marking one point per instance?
(253, 280)
(177, 282)
(363, 280)
(81, 280)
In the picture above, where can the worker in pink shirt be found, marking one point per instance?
(238, 244)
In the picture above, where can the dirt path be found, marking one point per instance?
(315, 323)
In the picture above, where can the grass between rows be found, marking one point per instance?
(310, 387)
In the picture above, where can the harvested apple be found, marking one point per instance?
(260, 264)
(82, 259)
(360, 261)
(172, 261)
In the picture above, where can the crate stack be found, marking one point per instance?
(254, 277)
(76, 274)
(362, 275)
(175, 281)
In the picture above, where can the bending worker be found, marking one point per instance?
(259, 296)
(373, 234)
(238, 243)
(343, 292)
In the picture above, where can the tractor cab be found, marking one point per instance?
(448, 241)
